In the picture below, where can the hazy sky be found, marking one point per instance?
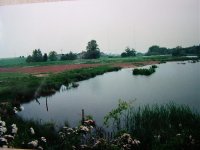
(115, 24)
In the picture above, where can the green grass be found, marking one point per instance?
(12, 62)
(24, 87)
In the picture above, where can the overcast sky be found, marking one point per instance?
(114, 24)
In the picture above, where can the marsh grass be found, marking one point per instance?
(167, 126)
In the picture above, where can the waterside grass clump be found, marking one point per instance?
(144, 71)
(168, 126)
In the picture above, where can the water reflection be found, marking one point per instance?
(47, 105)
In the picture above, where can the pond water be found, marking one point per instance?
(175, 82)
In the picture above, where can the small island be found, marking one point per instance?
(144, 71)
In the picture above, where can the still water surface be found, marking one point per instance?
(175, 82)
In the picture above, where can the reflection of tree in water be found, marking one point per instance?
(47, 105)
(37, 101)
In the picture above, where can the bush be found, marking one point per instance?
(144, 71)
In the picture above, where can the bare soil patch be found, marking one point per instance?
(44, 70)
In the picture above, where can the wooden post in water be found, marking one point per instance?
(83, 116)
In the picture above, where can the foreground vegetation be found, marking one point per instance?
(153, 127)
(167, 126)
(23, 87)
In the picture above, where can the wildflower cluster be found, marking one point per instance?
(67, 131)
(5, 137)
(87, 126)
(126, 142)
(73, 136)
(36, 143)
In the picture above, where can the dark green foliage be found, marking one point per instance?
(69, 56)
(154, 66)
(52, 56)
(45, 57)
(93, 51)
(174, 124)
(156, 50)
(29, 59)
(128, 52)
(178, 51)
(36, 56)
(168, 126)
(144, 71)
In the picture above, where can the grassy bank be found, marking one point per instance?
(153, 127)
(25, 86)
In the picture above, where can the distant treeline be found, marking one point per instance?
(92, 52)
(178, 51)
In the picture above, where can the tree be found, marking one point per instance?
(93, 51)
(45, 57)
(128, 52)
(52, 56)
(37, 55)
(177, 51)
(29, 59)
(69, 56)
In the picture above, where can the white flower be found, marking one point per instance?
(178, 134)
(180, 125)
(84, 128)
(13, 126)
(40, 148)
(33, 143)
(190, 137)
(15, 110)
(3, 141)
(129, 140)
(14, 129)
(43, 139)
(9, 137)
(2, 123)
(32, 131)
(2, 130)
(136, 142)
